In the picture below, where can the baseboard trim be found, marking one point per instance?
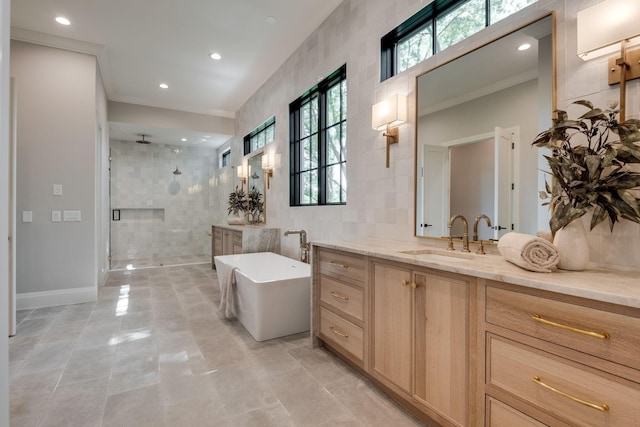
(30, 300)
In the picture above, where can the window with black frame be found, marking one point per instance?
(225, 158)
(260, 136)
(318, 137)
(440, 24)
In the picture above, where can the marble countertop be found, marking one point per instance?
(617, 287)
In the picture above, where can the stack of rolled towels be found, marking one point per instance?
(532, 253)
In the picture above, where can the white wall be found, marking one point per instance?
(4, 212)
(56, 128)
(380, 201)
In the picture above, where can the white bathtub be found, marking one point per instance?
(273, 296)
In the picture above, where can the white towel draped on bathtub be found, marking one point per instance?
(227, 292)
(529, 252)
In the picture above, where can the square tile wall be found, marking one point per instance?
(161, 214)
(381, 201)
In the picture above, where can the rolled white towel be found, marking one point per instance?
(529, 252)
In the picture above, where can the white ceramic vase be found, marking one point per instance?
(235, 219)
(573, 247)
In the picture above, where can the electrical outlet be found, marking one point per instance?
(56, 216)
(57, 189)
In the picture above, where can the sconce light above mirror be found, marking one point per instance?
(387, 115)
(609, 26)
(270, 161)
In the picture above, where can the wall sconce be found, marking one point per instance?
(242, 174)
(270, 161)
(390, 112)
(605, 28)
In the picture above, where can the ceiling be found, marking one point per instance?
(143, 43)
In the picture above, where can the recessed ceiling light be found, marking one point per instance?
(524, 46)
(164, 86)
(215, 55)
(184, 140)
(62, 20)
(271, 20)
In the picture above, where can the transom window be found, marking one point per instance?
(439, 25)
(260, 136)
(318, 143)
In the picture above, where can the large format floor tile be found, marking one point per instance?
(153, 351)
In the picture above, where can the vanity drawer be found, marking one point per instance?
(610, 336)
(347, 299)
(342, 333)
(562, 388)
(501, 415)
(341, 264)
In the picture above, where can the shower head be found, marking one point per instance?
(142, 141)
(177, 171)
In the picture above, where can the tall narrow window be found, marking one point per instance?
(318, 136)
(225, 159)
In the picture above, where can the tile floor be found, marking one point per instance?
(153, 351)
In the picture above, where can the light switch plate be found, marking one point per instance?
(27, 216)
(56, 216)
(57, 189)
(71, 216)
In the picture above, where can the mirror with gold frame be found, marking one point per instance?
(476, 117)
(256, 180)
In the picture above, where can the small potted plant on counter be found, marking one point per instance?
(237, 206)
(255, 206)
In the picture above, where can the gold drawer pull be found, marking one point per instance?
(339, 264)
(405, 283)
(414, 285)
(601, 335)
(344, 298)
(603, 408)
(333, 329)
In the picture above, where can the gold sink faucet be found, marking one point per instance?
(465, 237)
(475, 231)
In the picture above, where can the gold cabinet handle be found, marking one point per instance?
(343, 298)
(601, 335)
(414, 285)
(339, 264)
(603, 408)
(405, 283)
(333, 329)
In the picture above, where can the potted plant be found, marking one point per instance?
(255, 206)
(237, 206)
(595, 168)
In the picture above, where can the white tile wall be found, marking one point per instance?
(380, 201)
(161, 214)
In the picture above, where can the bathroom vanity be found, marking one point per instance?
(242, 239)
(471, 340)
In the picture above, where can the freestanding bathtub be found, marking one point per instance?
(273, 293)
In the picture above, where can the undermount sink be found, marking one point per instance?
(439, 254)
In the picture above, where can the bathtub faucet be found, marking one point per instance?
(304, 245)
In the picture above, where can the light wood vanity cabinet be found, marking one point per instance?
(406, 328)
(559, 360)
(420, 339)
(238, 239)
(341, 280)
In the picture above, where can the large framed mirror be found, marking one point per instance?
(476, 118)
(256, 187)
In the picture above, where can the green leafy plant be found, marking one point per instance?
(595, 165)
(255, 204)
(237, 202)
